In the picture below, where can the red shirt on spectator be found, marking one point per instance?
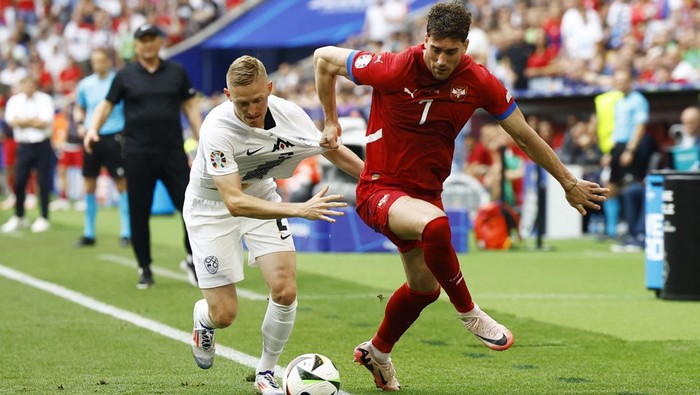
(68, 78)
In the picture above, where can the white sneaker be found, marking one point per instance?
(41, 224)
(203, 347)
(265, 384)
(59, 205)
(15, 223)
(494, 335)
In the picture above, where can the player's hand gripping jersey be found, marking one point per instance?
(415, 118)
(227, 145)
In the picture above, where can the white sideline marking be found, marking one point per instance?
(120, 260)
(124, 315)
(132, 318)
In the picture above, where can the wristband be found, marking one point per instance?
(572, 187)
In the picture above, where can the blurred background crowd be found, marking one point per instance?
(537, 48)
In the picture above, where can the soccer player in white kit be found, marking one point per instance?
(232, 196)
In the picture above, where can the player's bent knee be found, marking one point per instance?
(223, 317)
(285, 295)
(437, 230)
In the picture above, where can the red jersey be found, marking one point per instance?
(415, 118)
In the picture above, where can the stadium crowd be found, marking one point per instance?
(535, 47)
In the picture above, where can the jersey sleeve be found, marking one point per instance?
(376, 70)
(496, 99)
(187, 91)
(116, 90)
(218, 150)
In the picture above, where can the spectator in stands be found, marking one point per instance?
(618, 21)
(580, 147)
(30, 113)
(540, 66)
(690, 122)
(13, 72)
(581, 31)
(206, 13)
(375, 28)
(69, 77)
(517, 54)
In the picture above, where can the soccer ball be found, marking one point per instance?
(311, 374)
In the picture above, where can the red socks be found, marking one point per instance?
(441, 259)
(405, 305)
(403, 308)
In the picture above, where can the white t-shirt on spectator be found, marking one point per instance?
(580, 38)
(39, 105)
(78, 41)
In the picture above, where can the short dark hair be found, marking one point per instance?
(449, 20)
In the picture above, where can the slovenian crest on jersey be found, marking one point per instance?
(218, 159)
(458, 92)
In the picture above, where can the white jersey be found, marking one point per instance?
(227, 145)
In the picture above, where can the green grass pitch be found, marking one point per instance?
(582, 319)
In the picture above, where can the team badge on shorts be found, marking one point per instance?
(362, 61)
(211, 263)
(218, 159)
(458, 93)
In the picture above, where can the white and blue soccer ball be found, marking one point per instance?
(311, 374)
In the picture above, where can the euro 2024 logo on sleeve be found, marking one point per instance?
(218, 159)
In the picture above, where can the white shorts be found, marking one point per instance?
(215, 237)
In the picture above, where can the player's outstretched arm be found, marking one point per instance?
(240, 204)
(580, 194)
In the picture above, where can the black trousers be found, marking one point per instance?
(39, 156)
(142, 172)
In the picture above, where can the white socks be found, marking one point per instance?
(276, 329)
(201, 315)
(381, 357)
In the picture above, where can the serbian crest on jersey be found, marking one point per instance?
(458, 92)
(218, 159)
(362, 61)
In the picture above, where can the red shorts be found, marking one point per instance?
(373, 203)
(71, 158)
(9, 152)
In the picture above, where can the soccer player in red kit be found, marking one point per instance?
(421, 99)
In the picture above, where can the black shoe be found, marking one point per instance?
(145, 279)
(84, 242)
(124, 242)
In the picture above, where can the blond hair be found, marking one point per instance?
(245, 71)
